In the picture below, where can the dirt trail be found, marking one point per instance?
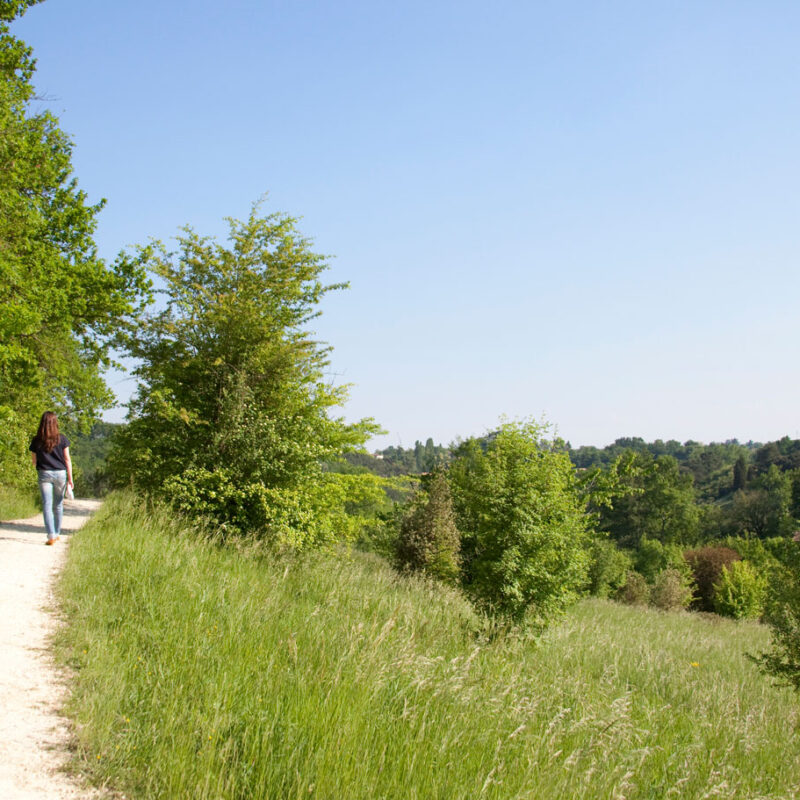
(33, 737)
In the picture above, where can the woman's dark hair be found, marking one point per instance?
(48, 434)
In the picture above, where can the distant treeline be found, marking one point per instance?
(706, 475)
(396, 461)
(718, 469)
(679, 493)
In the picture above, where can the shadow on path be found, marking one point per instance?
(19, 527)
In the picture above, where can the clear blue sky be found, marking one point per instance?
(579, 209)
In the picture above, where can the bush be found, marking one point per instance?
(740, 591)
(707, 564)
(652, 558)
(757, 552)
(783, 661)
(608, 568)
(636, 591)
(429, 540)
(524, 529)
(672, 590)
(782, 613)
(332, 509)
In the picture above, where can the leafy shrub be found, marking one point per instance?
(525, 538)
(781, 548)
(429, 540)
(740, 591)
(608, 569)
(757, 552)
(707, 564)
(15, 433)
(635, 591)
(782, 614)
(652, 558)
(672, 590)
(783, 661)
(320, 512)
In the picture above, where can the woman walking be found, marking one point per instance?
(50, 455)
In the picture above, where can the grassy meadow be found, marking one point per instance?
(202, 672)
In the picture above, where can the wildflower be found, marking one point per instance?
(695, 663)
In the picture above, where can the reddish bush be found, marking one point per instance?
(706, 564)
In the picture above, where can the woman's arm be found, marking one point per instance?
(33, 460)
(68, 462)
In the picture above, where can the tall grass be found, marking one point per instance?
(201, 672)
(18, 503)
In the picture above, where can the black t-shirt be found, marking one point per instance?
(52, 460)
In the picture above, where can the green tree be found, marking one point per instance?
(60, 305)
(524, 530)
(419, 456)
(794, 476)
(230, 377)
(740, 470)
(765, 509)
(777, 486)
(654, 500)
(429, 458)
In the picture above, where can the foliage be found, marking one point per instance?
(760, 553)
(783, 660)
(651, 558)
(782, 613)
(672, 590)
(333, 508)
(603, 487)
(89, 454)
(203, 672)
(740, 470)
(765, 509)
(524, 533)
(655, 500)
(707, 564)
(60, 305)
(635, 591)
(395, 461)
(608, 568)
(428, 539)
(739, 489)
(711, 465)
(231, 380)
(783, 453)
(740, 591)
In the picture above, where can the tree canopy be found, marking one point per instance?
(231, 379)
(60, 304)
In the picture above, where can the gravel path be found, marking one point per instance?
(33, 737)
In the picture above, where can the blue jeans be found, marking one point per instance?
(52, 485)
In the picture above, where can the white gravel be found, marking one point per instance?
(33, 736)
